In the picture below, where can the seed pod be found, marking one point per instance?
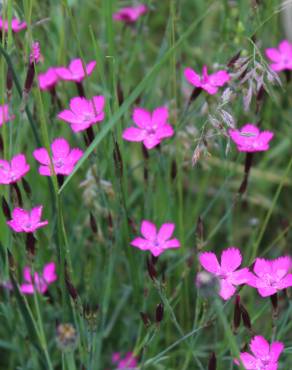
(237, 314)
(159, 313)
(245, 317)
(233, 59)
(70, 287)
(93, 224)
(118, 160)
(18, 195)
(1, 144)
(212, 362)
(26, 187)
(9, 84)
(195, 93)
(6, 209)
(30, 244)
(173, 169)
(151, 269)
(146, 319)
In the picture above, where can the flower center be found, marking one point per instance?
(59, 163)
(248, 134)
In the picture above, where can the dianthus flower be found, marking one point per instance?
(264, 356)
(11, 172)
(38, 282)
(35, 54)
(156, 242)
(24, 221)
(4, 114)
(151, 128)
(83, 113)
(48, 79)
(130, 14)
(16, 25)
(128, 362)
(271, 275)
(250, 139)
(281, 56)
(63, 158)
(75, 71)
(226, 271)
(209, 83)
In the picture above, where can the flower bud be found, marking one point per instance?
(159, 313)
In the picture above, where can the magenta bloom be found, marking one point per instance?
(16, 25)
(48, 79)
(75, 71)
(281, 57)
(83, 113)
(156, 242)
(4, 114)
(226, 272)
(209, 83)
(264, 356)
(271, 275)
(35, 54)
(250, 139)
(27, 221)
(130, 14)
(13, 171)
(151, 128)
(128, 362)
(38, 282)
(63, 158)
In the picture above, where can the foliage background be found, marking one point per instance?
(145, 63)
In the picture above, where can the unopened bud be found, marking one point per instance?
(212, 365)
(159, 313)
(146, 319)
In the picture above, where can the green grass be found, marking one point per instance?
(146, 62)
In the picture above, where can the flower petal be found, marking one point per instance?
(226, 289)
(210, 263)
(159, 117)
(230, 259)
(142, 118)
(49, 272)
(148, 230)
(192, 77)
(165, 232)
(260, 347)
(134, 134)
(42, 156)
(60, 148)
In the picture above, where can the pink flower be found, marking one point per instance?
(83, 113)
(13, 171)
(75, 71)
(151, 128)
(63, 158)
(48, 79)
(264, 357)
(250, 139)
(130, 14)
(38, 282)
(128, 362)
(4, 114)
(209, 83)
(26, 221)
(156, 242)
(271, 275)
(226, 271)
(16, 25)
(35, 54)
(281, 57)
